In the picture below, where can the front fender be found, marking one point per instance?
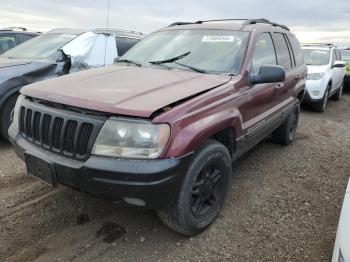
(187, 136)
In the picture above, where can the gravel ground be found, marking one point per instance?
(283, 206)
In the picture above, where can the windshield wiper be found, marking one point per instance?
(130, 61)
(192, 68)
(170, 60)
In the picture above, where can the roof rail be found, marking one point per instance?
(119, 30)
(264, 21)
(13, 28)
(317, 44)
(244, 22)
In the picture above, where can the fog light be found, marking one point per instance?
(134, 201)
(316, 93)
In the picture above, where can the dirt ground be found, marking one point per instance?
(284, 205)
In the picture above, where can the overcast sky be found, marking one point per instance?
(311, 21)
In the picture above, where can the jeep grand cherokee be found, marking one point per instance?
(161, 128)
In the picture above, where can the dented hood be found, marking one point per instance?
(125, 90)
(5, 62)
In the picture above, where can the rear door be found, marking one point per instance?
(286, 60)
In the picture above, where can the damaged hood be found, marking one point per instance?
(20, 72)
(125, 90)
(5, 62)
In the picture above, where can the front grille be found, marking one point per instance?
(62, 132)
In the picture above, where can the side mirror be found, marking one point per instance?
(64, 63)
(268, 74)
(339, 64)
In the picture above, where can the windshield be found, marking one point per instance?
(41, 47)
(316, 57)
(345, 55)
(210, 51)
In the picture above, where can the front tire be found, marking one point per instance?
(337, 96)
(5, 116)
(203, 192)
(285, 134)
(321, 106)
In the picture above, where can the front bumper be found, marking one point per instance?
(313, 86)
(152, 184)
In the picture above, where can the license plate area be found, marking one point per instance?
(40, 169)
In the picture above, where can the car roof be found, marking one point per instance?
(320, 46)
(228, 24)
(16, 30)
(78, 31)
(316, 47)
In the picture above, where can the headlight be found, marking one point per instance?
(316, 76)
(16, 110)
(128, 138)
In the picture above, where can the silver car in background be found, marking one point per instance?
(326, 71)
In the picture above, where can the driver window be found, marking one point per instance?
(264, 53)
(333, 57)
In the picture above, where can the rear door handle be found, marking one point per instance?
(279, 86)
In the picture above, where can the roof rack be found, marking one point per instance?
(244, 22)
(13, 28)
(318, 44)
(118, 30)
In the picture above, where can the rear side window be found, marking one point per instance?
(298, 53)
(283, 55)
(264, 53)
(124, 44)
(7, 41)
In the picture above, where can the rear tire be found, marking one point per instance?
(338, 94)
(5, 116)
(203, 192)
(285, 134)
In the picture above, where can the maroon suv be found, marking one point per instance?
(161, 128)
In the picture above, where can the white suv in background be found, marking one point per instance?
(326, 72)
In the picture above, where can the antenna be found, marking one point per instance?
(107, 22)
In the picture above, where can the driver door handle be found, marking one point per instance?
(279, 86)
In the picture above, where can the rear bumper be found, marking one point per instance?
(152, 184)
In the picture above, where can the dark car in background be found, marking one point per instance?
(56, 53)
(13, 36)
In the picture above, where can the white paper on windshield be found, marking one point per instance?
(218, 38)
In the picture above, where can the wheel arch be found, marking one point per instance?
(223, 126)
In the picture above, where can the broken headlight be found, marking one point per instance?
(129, 138)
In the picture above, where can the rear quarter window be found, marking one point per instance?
(298, 53)
(124, 44)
